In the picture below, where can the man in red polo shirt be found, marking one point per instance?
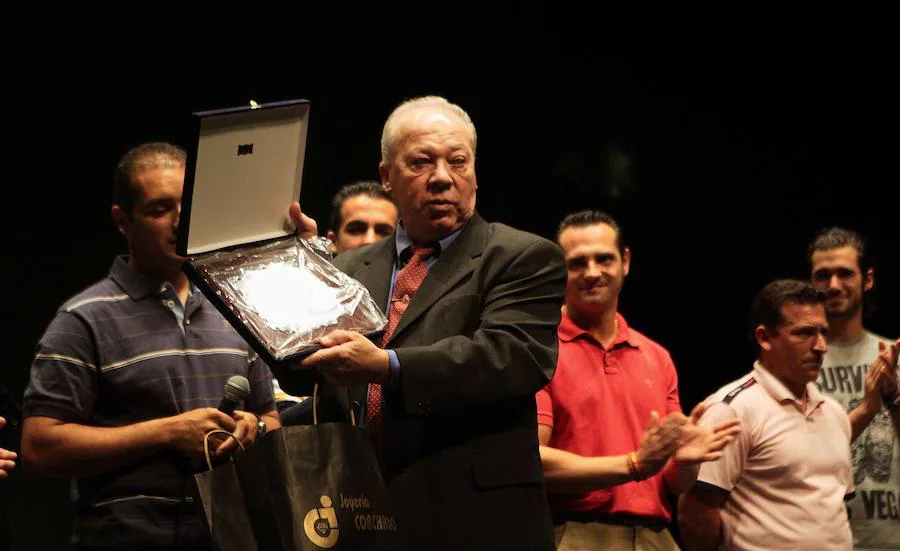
(612, 434)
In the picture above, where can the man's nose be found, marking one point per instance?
(593, 270)
(834, 283)
(821, 343)
(440, 176)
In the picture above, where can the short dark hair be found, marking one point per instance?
(767, 305)
(368, 188)
(836, 237)
(146, 156)
(586, 218)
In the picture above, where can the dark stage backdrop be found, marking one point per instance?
(719, 162)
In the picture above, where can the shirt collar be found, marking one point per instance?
(777, 390)
(135, 284)
(403, 240)
(568, 331)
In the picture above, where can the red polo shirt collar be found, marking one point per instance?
(568, 331)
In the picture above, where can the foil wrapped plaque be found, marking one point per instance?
(285, 296)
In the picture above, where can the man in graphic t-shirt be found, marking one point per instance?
(860, 371)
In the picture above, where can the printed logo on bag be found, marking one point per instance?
(364, 519)
(321, 525)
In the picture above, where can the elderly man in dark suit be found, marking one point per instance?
(473, 307)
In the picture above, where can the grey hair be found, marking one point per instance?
(389, 133)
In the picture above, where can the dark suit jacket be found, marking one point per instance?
(477, 341)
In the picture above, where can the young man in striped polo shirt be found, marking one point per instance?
(128, 374)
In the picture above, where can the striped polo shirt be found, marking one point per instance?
(119, 353)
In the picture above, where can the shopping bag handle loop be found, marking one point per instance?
(315, 407)
(206, 444)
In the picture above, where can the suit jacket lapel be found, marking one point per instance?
(375, 273)
(454, 264)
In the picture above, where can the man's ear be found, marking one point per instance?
(869, 279)
(385, 174)
(763, 337)
(120, 219)
(626, 261)
(330, 235)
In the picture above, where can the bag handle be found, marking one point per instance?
(315, 408)
(206, 444)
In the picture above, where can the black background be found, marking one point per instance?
(720, 143)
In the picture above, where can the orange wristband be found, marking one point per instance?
(633, 468)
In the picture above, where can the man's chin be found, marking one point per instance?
(596, 303)
(444, 226)
(174, 263)
(839, 311)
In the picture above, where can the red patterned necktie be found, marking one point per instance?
(408, 280)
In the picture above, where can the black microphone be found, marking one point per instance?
(236, 389)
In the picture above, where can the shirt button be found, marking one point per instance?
(406, 299)
(169, 303)
(187, 322)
